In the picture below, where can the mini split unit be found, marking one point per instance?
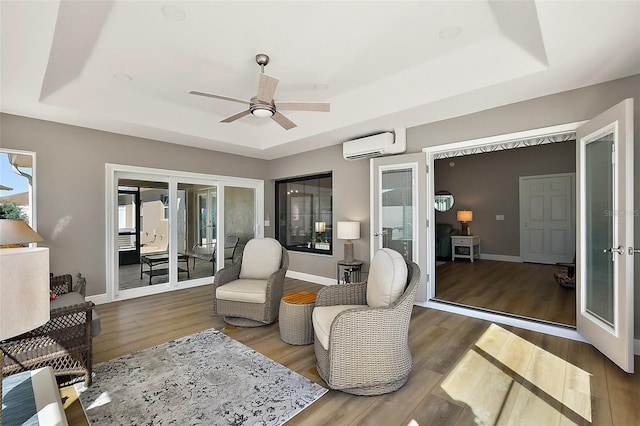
(377, 145)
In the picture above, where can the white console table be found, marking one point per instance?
(465, 246)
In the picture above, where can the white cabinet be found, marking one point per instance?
(465, 246)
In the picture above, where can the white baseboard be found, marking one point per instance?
(501, 257)
(311, 278)
(98, 299)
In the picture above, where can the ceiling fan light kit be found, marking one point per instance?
(262, 105)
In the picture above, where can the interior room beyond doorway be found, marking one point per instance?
(487, 184)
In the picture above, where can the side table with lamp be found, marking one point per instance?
(349, 269)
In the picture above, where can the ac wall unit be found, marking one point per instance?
(376, 145)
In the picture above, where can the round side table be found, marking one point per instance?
(296, 326)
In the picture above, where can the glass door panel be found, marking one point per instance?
(144, 223)
(201, 225)
(598, 199)
(239, 220)
(398, 210)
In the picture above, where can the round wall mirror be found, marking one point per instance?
(443, 201)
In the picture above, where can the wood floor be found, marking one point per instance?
(466, 371)
(523, 289)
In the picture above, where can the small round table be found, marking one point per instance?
(296, 326)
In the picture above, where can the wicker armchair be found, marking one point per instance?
(64, 342)
(367, 351)
(248, 292)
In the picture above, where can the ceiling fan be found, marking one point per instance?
(262, 105)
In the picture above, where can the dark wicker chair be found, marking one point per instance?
(64, 342)
(368, 351)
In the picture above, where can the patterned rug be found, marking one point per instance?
(203, 379)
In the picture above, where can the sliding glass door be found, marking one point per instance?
(164, 227)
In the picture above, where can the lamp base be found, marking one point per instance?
(465, 228)
(348, 251)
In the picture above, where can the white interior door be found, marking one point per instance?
(604, 273)
(398, 206)
(547, 219)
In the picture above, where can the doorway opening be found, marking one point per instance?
(494, 283)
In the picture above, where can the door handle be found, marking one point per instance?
(633, 251)
(619, 250)
(375, 234)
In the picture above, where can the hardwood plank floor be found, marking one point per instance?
(466, 371)
(524, 289)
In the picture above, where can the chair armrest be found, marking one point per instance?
(343, 294)
(226, 275)
(61, 284)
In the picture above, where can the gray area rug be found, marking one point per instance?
(203, 379)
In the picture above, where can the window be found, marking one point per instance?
(17, 185)
(304, 210)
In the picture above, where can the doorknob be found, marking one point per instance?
(633, 251)
(619, 250)
(375, 234)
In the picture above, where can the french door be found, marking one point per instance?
(605, 252)
(398, 219)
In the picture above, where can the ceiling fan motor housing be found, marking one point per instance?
(261, 109)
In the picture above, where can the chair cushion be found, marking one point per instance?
(387, 278)
(243, 290)
(323, 316)
(75, 298)
(261, 258)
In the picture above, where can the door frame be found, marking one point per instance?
(539, 136)
(172, 177)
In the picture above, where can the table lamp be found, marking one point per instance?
(348, 231)
(24, 282)
(464, 217)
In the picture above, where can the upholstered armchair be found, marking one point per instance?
(248, 292)
(63, 343)
(361, 329)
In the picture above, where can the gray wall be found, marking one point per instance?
(572, 106)
(70, 173)
(488, 185)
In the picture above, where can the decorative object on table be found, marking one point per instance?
(348, 230)
(295, 317)
(24, 282)
(205, 378)
(348, 272)
(320, 228)
(361, 329)
(464, 217)
(81, 285)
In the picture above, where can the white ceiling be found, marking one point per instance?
(380, 64)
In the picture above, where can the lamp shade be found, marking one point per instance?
(465, 216)
(16, 231)
(348, 230)
(24, 290)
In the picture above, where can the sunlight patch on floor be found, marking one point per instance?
(506, 379)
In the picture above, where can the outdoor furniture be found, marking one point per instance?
(63, 343)
(295, 323)
(361, 329)
(208, 251)
(155, 260)
(248, 292)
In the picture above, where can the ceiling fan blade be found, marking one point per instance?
(267, 87)
(235, 116)
(303, 106)
(224, 98)
(283, 121)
